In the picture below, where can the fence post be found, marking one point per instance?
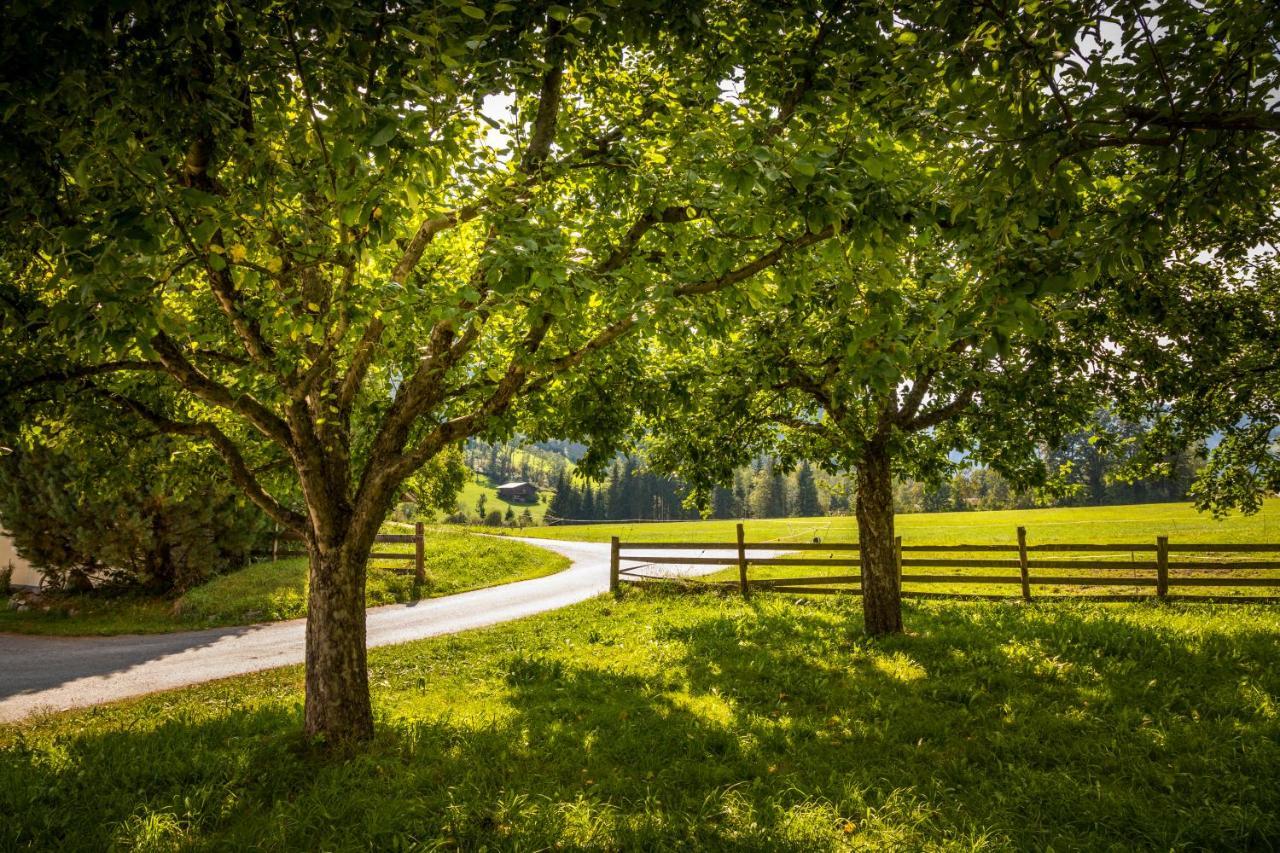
(897, 563)
(1022, 563)
(742, 562)
(1162, 566)
(862, 578)
(419, 548)
(275, 543)
(615, 583)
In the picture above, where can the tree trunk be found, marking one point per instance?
(337, 693)
(881, 586)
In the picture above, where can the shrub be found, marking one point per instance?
(154, 514)
(493, 519)
(405, 511)
(6, 580)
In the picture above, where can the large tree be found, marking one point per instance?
(1073, 149)
(881, 369)
(350, 236)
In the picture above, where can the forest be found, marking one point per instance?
(1092, 467)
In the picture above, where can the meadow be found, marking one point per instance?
(270, 591)
(1121, 525)
(670, 720)
(1130, 523)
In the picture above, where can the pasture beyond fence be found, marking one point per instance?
(416, 538)
(1164, 565)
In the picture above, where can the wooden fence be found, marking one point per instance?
(418, 556)
(1025, 570)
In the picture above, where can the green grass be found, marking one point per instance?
(669, 721)
(1133, 523)
(1138, 524)
(267, 591)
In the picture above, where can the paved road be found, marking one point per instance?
(55, 673)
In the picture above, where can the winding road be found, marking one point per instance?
(56, 673)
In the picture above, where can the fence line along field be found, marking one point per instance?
(1132, 523)
(1206, 572)
(1164, 550)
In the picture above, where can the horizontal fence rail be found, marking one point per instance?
(418, 555)
(1145, 566)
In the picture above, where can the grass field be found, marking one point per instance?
(667, 721)
(1133, 523)
(268, 592)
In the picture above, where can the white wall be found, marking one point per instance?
(23, 574)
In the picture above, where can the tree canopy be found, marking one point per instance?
(1049, 184)
(350, 236)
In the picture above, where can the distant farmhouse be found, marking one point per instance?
(518, 493)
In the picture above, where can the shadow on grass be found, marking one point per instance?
(724, 726)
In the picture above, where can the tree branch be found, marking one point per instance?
(799, 379)
(1250, 120)
(621, 326)
(801, 425)
(531, 162)
(914, 397)
(544, 122)
(932, 418)
(763, 262)
(81, 372)
(228, 297)
(426, 232)
(787, 109)
(1046, 74)
(199, 384)
(1155, 55)
(311, 107)
(241, 474)
(631, 239)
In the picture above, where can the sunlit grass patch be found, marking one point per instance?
(670, 720)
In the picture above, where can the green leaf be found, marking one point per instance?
(349, 214)
(75, 237)
(384, 134)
